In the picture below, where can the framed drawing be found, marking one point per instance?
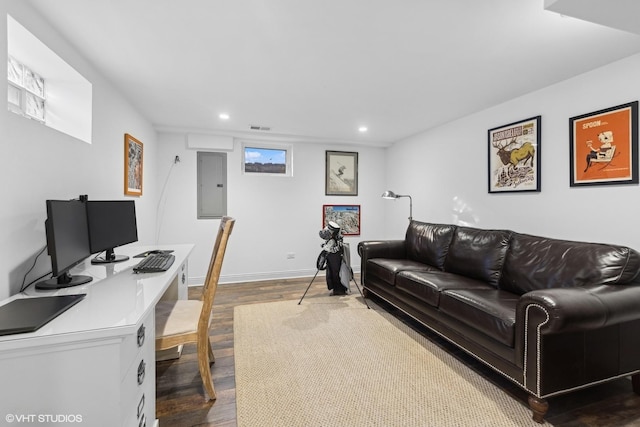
(604, 146)
(514, 156)
(133, 162)
(341, 173)
(347, 216)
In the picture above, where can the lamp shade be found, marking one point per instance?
(389, 195)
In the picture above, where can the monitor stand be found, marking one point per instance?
(65, 280)
(109, 257)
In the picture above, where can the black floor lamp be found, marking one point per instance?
(391, 195)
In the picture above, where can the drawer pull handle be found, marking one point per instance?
(141, 335)
(143, 422)
(141, 368)
(140, 406)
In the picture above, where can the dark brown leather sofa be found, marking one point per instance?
(551, 315)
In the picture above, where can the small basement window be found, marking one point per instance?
(43, 87)
(26, 93)
(262, 159)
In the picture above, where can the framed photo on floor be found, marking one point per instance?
(604, 146)
(514, 156)
(346, 216)
(341, 173)
(133, 163)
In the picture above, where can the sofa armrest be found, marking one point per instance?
(378, 249)
(582, 308)
(381, 249)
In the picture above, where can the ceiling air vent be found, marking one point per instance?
(254, 127)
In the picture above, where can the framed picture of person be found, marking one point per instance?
(341, 173)
(604, 146)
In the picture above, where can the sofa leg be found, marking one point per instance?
(635, 383)
(539, 407)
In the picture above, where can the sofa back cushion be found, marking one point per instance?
(428, 243)
(478, 254)
(540, 263)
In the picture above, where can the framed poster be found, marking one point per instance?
(346, 216)
(514, 156)
(341, 173)
(133, 162)
(604, 146)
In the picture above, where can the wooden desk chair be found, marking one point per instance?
(187, 321)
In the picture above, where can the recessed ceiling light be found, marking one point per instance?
(224, 116)
(363, 129)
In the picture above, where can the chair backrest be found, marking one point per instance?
(213, 274)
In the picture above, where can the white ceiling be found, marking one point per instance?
(317, 70)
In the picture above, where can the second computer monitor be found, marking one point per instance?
(112, 223)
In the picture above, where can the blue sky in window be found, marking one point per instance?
(265, 155)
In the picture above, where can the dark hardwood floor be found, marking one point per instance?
(180, 401)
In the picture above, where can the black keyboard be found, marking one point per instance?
(154, 263)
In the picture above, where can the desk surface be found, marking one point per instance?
(117, 299)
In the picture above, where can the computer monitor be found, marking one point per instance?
(67, 242)
(112, 223)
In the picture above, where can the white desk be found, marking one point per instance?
(89, 366)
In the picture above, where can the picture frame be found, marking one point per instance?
(604, 146)
(341, 173)
(516, 169)
(347, 216)
(133, 166)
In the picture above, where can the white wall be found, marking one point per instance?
(275, 215)
(445, 169)
(40, 163)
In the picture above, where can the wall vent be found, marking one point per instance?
(255, 127)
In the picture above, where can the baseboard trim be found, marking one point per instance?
(257, 277)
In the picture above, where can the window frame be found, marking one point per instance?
(287, 148)
(22, 107)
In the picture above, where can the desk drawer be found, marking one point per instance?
(143, 411)
(139, 379)
(138, 391)
(134, 343)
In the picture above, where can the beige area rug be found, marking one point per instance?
(332, 362)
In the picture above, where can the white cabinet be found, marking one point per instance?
(63, 379)
(95, 363)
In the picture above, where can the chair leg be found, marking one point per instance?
(204, 349)
(212, 358)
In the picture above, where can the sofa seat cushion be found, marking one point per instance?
(385, 269)
(492, 312)
(427, 285)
